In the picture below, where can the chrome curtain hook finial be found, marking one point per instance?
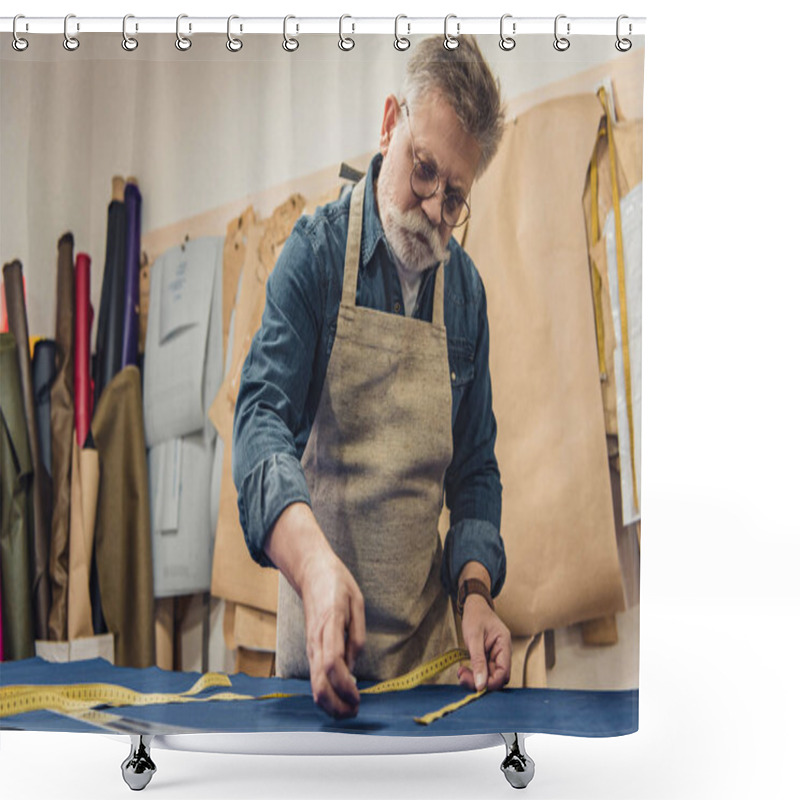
(400, 42)
(233, 44)
(450, 42)
(70, 42)
(507, 42)
(290, 44)
(561, 43)
(623, 45)
(182, 42)
(345, 42)
(17, 42)
(129, 43)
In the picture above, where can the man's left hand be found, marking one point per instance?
(489, 643)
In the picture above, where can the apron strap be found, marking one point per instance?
(353, 250)
(353, 253)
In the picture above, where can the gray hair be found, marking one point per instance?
(463, 79)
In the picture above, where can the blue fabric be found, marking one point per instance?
(284, 372)
(557, 711)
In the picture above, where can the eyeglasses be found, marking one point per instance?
(425, 184)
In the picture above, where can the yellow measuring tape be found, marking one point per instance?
(81, 700)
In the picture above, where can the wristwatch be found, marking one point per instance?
(472, 586)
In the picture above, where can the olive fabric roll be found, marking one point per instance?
(16, 477)
(62, 427)
(18, 325)
(123, 547)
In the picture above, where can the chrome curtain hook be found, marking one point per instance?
(290, 44)
(400, 42)
(129, 43)
(623, 45)
(450, 42)
(17, 42)
(70, 42)
(507, 42)
(233, 44)
(561, 43)
(345, 42)
(182, 42)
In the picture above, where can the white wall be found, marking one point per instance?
(198, 129)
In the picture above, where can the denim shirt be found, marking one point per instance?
(284, 372)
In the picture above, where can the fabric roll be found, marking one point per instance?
(62, 433)
(40, 544)
(130, 321)
(122, 530)
(112, 300)
(16, 477)
(85, 474)
(83, 328)
(1, 616)
(44, 374)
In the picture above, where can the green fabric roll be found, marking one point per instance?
(16, 480)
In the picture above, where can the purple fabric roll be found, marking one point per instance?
(130, 323)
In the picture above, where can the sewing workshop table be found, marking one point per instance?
(554, 711)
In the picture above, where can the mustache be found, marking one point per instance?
(417, 222)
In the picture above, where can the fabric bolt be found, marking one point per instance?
(83, 331)
(18, 325)
(85, 474)
(44, 374)
(112, 300)
(130, 320)
(16, 476)
(375, 464)
(287, 363)
(122, 530)
(62, 434)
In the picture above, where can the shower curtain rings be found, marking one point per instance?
(507, 42)
(233, 44)
(18, 43)
(345, 42)
(400, 42)
(290, 44)
(182, 42)
(129, 43)
(450, 42)
(561, 43)
(70, 42)
(623, 45)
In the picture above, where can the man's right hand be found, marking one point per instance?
(332, 603)
(335, 632)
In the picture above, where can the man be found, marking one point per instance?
(366, 395)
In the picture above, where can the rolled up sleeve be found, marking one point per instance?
(472, 483)
(272, 396)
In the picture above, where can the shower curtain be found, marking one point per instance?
(148, 196)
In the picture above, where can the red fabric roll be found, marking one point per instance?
(83, 328)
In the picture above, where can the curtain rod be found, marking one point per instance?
(603, 26)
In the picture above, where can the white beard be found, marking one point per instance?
(415, 242)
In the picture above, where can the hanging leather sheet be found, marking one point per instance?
(527, 239)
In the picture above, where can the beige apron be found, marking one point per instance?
(375, 463)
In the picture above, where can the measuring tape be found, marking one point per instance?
(80, 700)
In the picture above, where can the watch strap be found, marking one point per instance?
(472, 586)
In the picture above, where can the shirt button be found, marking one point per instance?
(452, 376)
(397, 308)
